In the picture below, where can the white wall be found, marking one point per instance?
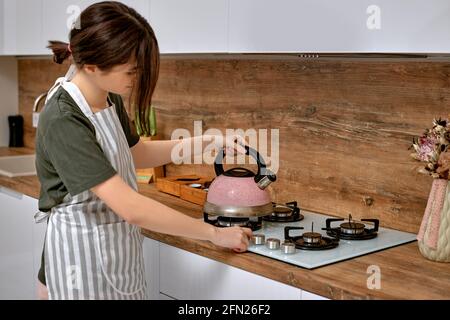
(9, 95)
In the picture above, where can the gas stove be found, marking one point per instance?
(319, 240)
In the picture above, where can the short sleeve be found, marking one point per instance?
(75, 153)
(128, 128)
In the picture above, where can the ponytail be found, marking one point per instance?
(61, 51)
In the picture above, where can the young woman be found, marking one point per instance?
(86, 158)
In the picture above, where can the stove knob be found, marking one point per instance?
(273, 243)
(258, 239)
(288, 247)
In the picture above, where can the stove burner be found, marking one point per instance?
(352, 230)
(254, 223)
(312, 237)
(232, 222)
(282, 212)
(288, 212)
(310, 240)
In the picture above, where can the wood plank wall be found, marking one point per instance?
(345, 126)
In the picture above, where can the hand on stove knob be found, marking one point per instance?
(235, 238)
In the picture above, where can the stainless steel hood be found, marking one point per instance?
(310, 56)
(375, 56)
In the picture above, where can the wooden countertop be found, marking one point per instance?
(405, 274)
(26, 185)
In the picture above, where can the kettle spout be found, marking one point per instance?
(263, 180)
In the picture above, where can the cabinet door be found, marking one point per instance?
(184, 275)
(339, 26)
(190, 26)
(38, 235)
(22, 32)
(59, 15)
(151, 260)
(411, 26)
(296, 25)
(16, 247)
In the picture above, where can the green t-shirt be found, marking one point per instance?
(69, 158)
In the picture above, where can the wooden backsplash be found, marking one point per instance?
(345, 127)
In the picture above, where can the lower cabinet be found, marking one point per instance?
(20, 246)
(173, 273)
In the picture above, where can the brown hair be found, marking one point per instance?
(110, 33)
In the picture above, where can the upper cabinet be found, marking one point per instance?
(383, 26)
(190, 26)
(28, 25)
(59, 15)
(248, 26)
(22, 27)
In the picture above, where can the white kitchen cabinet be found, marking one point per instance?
(28, 25)
(384, 26)
(59, 15)
(172, 273)
(248, 26)
(194, 26)
(20, 247)
(184, 275)
(22, 27)
(151, 260)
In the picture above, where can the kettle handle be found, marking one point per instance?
(218, 163)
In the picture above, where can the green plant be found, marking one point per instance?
(149, 130)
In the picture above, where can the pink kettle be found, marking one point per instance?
(239, 192)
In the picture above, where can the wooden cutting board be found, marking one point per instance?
(180, 186)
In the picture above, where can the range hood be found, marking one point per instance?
(310, 56)
(375, 56)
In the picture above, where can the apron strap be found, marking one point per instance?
(40, 216)
(78, 97)
(69, 76)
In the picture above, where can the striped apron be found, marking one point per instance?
(90, 251)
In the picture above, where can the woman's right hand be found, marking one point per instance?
(235, 238)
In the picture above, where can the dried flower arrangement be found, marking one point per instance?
(432, 148)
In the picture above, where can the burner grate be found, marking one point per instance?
(224, 222)
(352, 230)
(310, 240)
